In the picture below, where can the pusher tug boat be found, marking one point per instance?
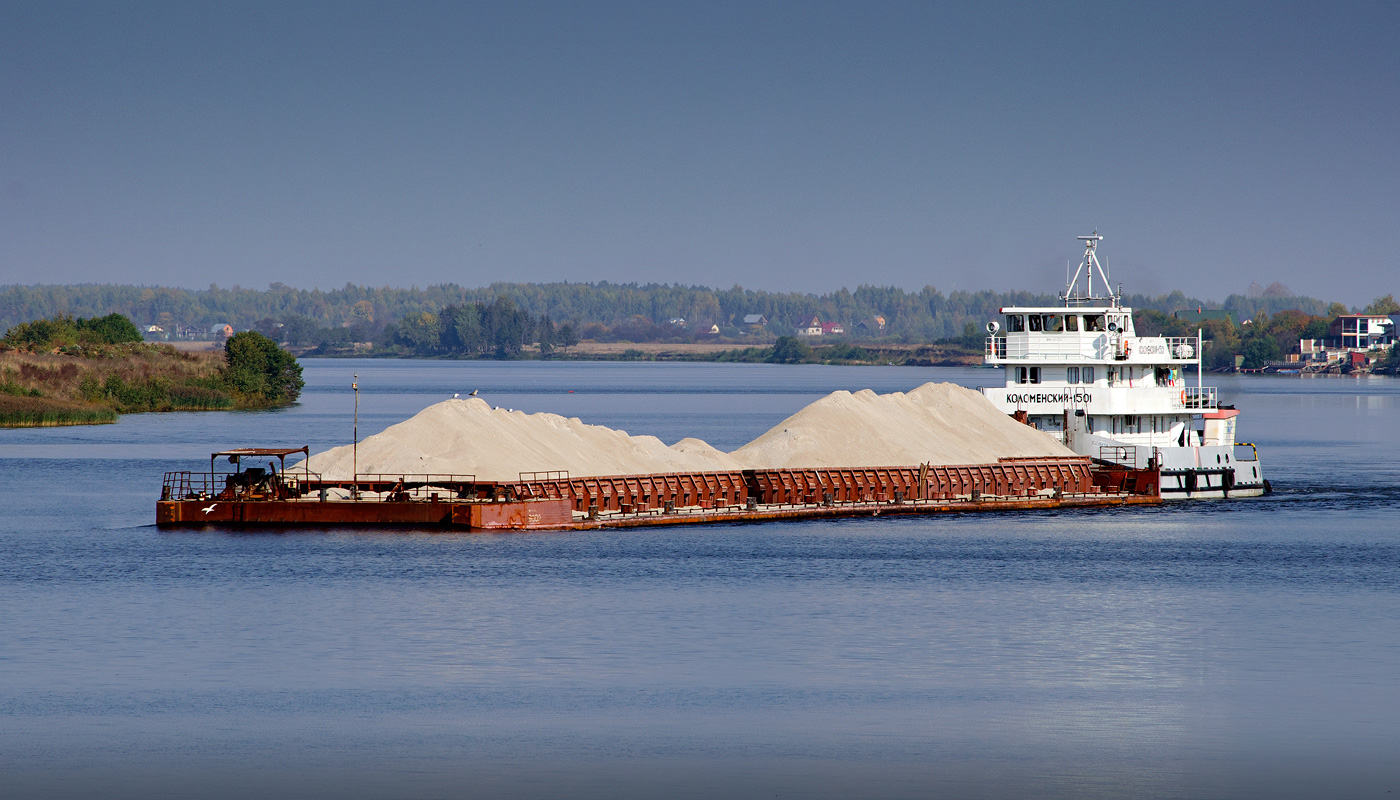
(1080, 373)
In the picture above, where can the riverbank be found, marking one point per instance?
(95, 384)
(89, 384)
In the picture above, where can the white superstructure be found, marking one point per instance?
(1080, 373)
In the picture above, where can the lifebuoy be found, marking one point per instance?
(1183, 397)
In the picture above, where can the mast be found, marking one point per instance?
(1088, 266)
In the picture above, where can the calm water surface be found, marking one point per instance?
(1211, 649)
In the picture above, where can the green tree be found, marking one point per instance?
(111, 329)
(257, 368)
(546, 334)
(461, 329)
(1260, 350)
(420, 333)
(568, 337)
(42, 333)
(1383, 305)
(790, 350)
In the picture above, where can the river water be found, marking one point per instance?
(1211, 649)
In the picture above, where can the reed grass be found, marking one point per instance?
(102, 381)
(40, 412)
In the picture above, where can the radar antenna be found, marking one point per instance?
(1087, 268)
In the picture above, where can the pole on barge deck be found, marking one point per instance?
(355, 443)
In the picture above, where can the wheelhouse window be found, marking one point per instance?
(1037, 322)
(1054, 323)
(1015, 323)
(1094, 322)
(1028, 374)
(1072, 323)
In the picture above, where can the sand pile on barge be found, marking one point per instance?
(469, 437)
(938, 423)
(935, 423)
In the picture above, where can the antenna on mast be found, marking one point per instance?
(1088, 266)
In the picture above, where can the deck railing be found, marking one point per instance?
(1181, 346)
(1199, 398)
(1077, 345)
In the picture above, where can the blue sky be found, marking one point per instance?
(785, 146)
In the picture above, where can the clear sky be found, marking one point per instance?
(785, 146)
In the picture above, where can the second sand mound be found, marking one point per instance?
(938, 423)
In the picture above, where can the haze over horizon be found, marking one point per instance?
(779, 146)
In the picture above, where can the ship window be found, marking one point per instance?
(1072, 323)
(1028, 374)
(1035, 321)
(1086, 375)
(1054, 323)
(1035, 374)
(1093, 323)
(1015, 323)
(1072, 375)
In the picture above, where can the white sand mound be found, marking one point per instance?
(937, 423)
(468, 437)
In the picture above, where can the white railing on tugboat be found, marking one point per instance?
(1181, 346)
(1200, 398)
(1057, 346)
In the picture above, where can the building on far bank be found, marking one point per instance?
(812, 327)
(873, 325)
(1362, 331)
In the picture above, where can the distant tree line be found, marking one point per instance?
(498, 329)
(500, 318)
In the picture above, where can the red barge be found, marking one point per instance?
(272, 497)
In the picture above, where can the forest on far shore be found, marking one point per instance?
(505, 320)
(599, 311)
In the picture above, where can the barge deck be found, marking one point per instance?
(259, 497)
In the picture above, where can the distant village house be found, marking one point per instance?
(872, 325)
(1362, 331)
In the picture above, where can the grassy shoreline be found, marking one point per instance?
(94, 384)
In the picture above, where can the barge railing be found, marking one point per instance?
(541, 502)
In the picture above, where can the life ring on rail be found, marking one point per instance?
(1183, 397)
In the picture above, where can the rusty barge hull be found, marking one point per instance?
(554, 515)
(551, 501)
